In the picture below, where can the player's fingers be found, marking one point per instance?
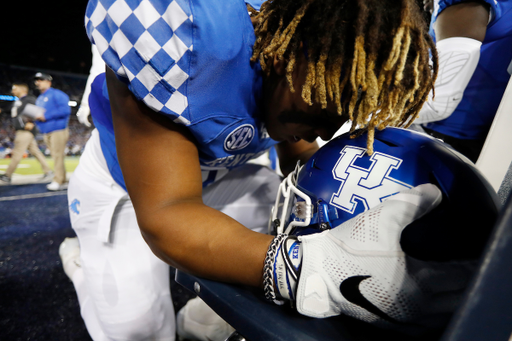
(379, 228)
(424, 197)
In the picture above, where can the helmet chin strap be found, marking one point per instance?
(280, 213)
(324, 216)
(320, 213)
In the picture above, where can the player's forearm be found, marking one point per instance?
(205, 242)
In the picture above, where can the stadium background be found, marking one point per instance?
(37, 300)
(49, 37)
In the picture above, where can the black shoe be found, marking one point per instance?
(5, 179)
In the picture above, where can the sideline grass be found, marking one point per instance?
(30, 165)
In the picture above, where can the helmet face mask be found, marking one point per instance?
(293, 207)
(340, 181)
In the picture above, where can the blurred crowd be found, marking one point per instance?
(78, 135)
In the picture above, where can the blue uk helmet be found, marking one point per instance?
(341, 180)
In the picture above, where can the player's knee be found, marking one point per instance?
(153, 320)
(142, 328)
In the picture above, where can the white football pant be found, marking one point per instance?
(122, 287)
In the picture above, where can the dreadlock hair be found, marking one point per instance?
(370, 57)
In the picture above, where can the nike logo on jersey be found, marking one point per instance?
(74, 206)
(369, 186)
(349, 288)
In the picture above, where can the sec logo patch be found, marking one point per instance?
(239, 138)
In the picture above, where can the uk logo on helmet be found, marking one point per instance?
(369, 186)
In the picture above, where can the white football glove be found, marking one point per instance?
(359, 269)
(83, 115)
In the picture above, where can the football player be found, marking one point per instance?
(192, 92)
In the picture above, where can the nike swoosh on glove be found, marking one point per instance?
(359, 268)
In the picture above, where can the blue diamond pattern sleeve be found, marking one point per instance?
(188, 60)
(140, 41)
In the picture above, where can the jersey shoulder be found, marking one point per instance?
(161, 48)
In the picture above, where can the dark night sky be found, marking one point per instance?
(47, 35)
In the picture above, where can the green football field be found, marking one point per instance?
(29, 166)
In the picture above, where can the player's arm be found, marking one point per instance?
(29, 126)
(467, 19)
(289, 153)
(460, 30)
(160, 165)
(97, 67)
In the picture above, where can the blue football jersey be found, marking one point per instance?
(190, 61)
(474, 115)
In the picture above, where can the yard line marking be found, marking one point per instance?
(19, 166)
(32, 196)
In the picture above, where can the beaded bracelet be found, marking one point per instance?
(268, 273)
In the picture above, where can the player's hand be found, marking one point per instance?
(41, 118)
(358, 268)
(83, 114)
(29, 126)
(370, 235)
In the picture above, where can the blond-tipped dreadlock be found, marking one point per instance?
(370, 57)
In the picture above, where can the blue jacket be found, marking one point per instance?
(57, 111)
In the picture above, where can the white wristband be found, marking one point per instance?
(287, 266)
